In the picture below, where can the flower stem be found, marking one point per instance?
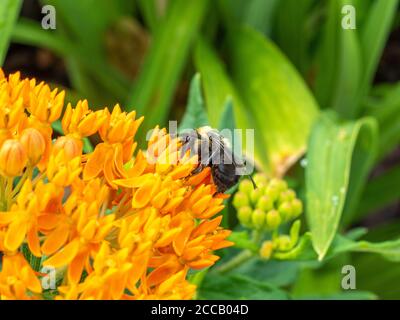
(235, 262)
(242, 257)
(27, 174)
(9, 187)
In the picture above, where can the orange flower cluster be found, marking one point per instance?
(113, 224)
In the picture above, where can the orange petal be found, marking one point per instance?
(95, 163)
(15, 234)
(181, 239)
(207, 227)
(199, 178)
(56, 239)
(142, 195)
(108, 171)
(201, 205)
(200, 264)
(75, 269)
(135, 182)
(64, 256)
(34, 242)
(162, 273)
(7, 217)
(222, 244)
(210, 212)
(48, 221)
(118, 161)
(139, 165)
(159, 200)
(181, 172)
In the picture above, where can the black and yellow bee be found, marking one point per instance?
(213, 151)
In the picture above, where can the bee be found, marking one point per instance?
(214, 151)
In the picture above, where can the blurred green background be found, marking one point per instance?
(324, 102)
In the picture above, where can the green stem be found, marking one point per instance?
(27, 174)
(3, 201)
(235, 262)
(242, 257)
(9, 187)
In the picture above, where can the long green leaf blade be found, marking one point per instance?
(339, 76)
(373, 38)
(9, 10)
(217, 88)
(195, 115)
(331, 158)
(275, 95)
(154, 89)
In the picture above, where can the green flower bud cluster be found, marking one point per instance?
(268, 206)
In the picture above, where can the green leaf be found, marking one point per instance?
(148, 9)
(228, 118)
(339, 75)
(275, 96)
(228, 127)
(154, 89)
(389, 250)
(293, 32)
(86, 25)
(278, 273)
(259, 14)
(29, 32)
(380, 192)
(9, 10)
(373, 38)
(216, 83)
(384, 105)
(218, 87)
(242, 241)
(338, 160)
(216, 287)
(384, 281)
(195, 115)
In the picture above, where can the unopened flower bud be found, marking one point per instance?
(255, 194)
(281, 185)
(240, 200)
(273, 219)
(297, 207)
(72, 146)
(13, 158)
(246, 186)
(287, 196)
(244, 216)
(266, 250)
(286, 211)
(265, 203)
(260, 179)
(34, 145)
(272, 192)
(282, 243)
(258, 219)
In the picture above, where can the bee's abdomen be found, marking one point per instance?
(224, 176)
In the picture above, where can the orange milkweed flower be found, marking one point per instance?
(114, 223)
